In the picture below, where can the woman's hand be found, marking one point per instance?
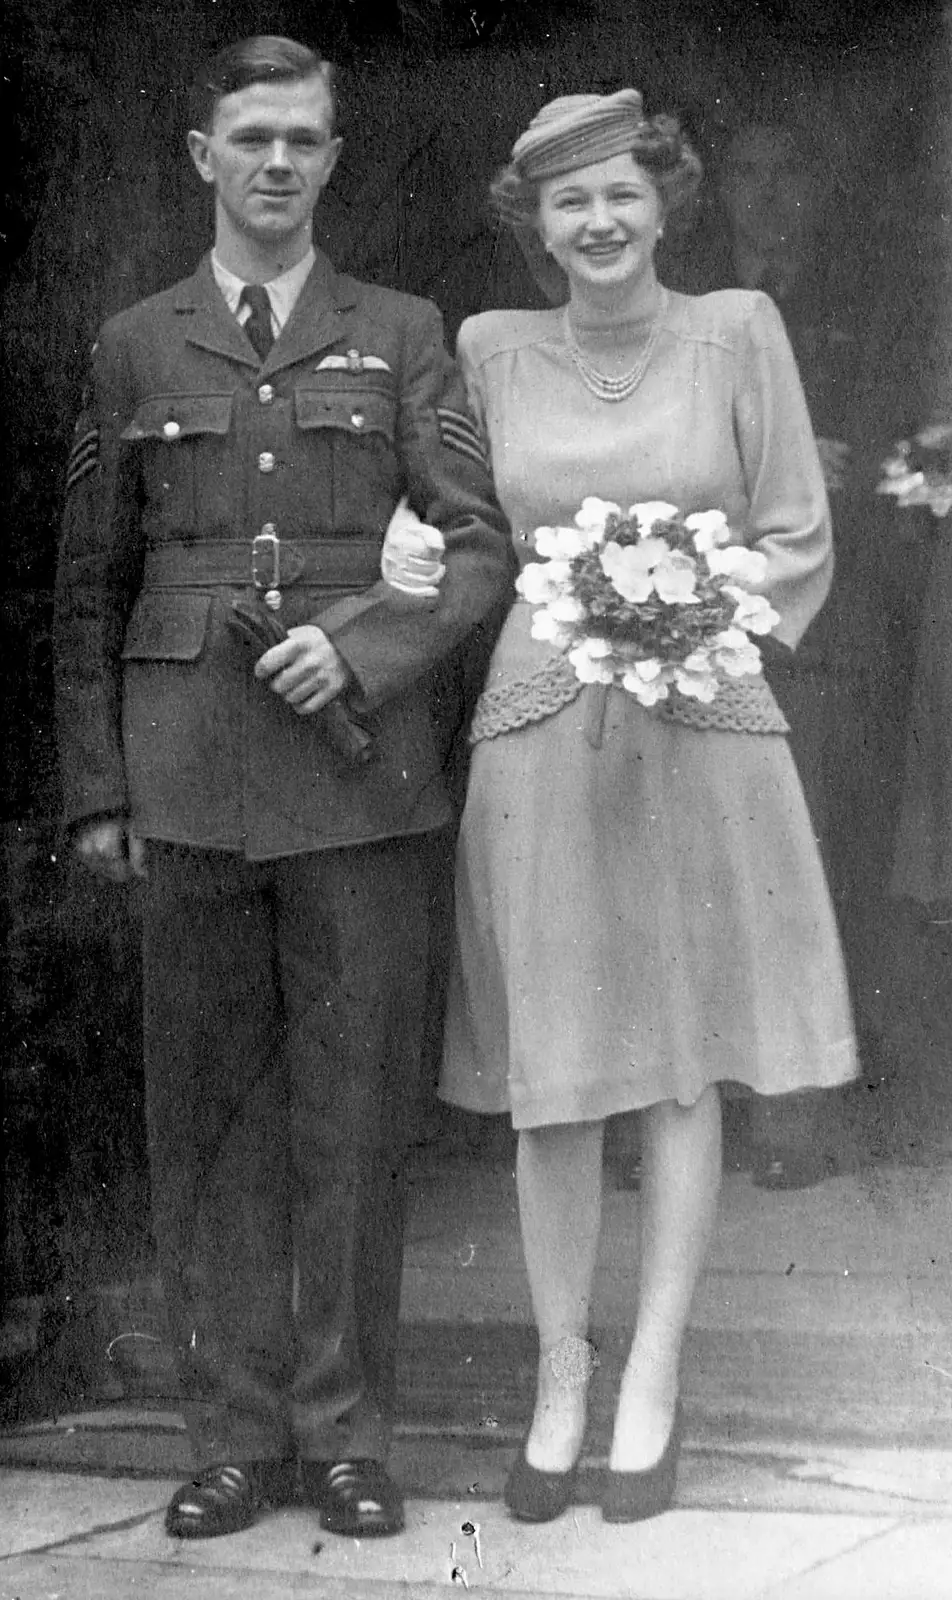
(411, 559)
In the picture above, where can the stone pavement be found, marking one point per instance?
(818, 1398)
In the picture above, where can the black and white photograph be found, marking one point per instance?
(476, 808)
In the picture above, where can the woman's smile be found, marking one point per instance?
(602, 220)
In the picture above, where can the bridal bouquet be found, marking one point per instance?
(648, 599)
(919, 471)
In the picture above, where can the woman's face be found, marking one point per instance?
(601, 223)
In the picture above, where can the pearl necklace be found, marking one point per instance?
(615, 389)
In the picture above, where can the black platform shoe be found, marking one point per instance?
(533, 1495)
(636, 1496)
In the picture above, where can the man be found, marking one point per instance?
(246, 438)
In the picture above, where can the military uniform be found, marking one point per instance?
(285, 915)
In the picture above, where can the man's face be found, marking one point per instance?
(269, 155)
(766, 190)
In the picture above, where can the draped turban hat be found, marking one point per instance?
(577, 130)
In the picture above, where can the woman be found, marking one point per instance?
(641, 909)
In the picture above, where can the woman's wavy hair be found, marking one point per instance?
(659, 147)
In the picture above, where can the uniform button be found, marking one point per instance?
(172, 430)
(266, 461)
(268, 531)
(266, 394)
(358, 419)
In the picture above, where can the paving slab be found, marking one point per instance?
(39, 1510)
(912, 1561)
(682, 1556)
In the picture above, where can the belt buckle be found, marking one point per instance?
(266, 554)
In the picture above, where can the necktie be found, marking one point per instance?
(258, 325)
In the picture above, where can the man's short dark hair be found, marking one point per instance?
(266, 58)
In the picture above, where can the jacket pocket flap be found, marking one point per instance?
(167, 627)
(355, 408)
(170, 417)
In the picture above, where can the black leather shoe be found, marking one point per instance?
(357, 1499)
(636, 1496)
(534, 1495)
(220, 1500)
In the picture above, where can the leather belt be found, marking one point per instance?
(316, 563)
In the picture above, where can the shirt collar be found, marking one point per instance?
(282, 292)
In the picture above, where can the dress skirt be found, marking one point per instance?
(638, 920)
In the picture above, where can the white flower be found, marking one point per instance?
(630, 566)
(739, 661)
(935, 435)
(735, 561)
(566, 609)
(754, 613)
(648, 512)
(542, 581)
(591, 659)
(710, 528)
(560, 544)
(593, 514)
(674, 580)
(548, 630)
(908, 487)
(701, 685)
(645, 680)
(730, 639)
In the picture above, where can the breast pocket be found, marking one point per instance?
(183, 443)
(350, 464)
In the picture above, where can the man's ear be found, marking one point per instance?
(198, 143)
(333, 151)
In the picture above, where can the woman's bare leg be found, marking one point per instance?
(681, 1175)
(559, 1178)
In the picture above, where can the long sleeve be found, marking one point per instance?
(388, 645)
(97, 581)
(789, 517)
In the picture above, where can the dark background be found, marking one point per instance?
(101, 206)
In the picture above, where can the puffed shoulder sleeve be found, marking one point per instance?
(447, 479)
(789, 518)
(97, 578)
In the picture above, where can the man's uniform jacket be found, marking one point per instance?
(188, 447)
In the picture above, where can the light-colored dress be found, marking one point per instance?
(643, 913)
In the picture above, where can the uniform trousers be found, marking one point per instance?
(283, 1007)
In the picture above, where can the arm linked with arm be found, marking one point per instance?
(389, 646)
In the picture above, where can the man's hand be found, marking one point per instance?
(304, 669)
(111, 849)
